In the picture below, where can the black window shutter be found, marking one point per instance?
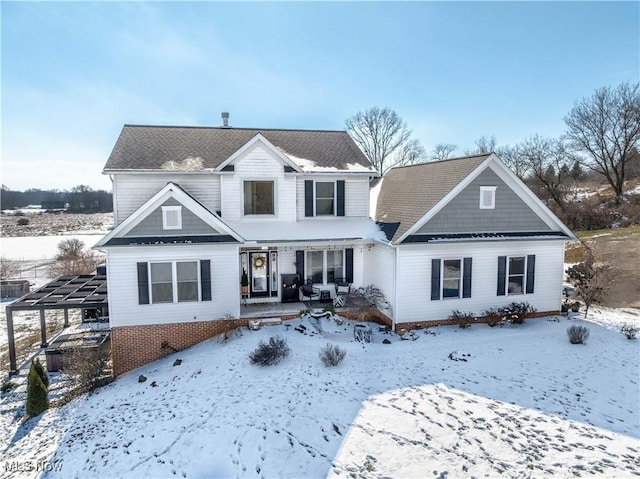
(340, 196)
(502, 275)
(531, 272)
(143, 284)
(300, 265)
(205, 279)
(348, 265)
(466, 277)
(435, 279)
(308, 197)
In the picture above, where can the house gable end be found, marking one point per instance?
(463, 213)
(154, 223)
(149, 220)
(271, 151)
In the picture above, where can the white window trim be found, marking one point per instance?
(165, 212)
(335, 198)
(275, 199)
(508, 274)
(174, 280)
(307, 264)
(460, 278)
(492, 190)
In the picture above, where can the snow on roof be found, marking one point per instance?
(308, 230)
(310, 165)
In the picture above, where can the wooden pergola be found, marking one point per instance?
(85, 292)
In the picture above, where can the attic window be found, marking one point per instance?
(487, 197)
(171, 217)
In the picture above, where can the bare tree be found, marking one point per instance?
(483, 145)
(592, 281)
(513, 157)
(443, 151)
(69, 248)
(384, 138)
(83, 263)
(606, 129)
(547, 160)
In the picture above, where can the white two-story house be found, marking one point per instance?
(195, 208)
(198, 208)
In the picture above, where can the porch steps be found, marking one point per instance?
(257, 323)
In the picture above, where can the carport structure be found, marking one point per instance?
(84, 292)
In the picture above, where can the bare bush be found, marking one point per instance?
(8, 268)
(368, 296)
(578, 334)
(22, 221)
(86, 365)
(462, 319)
(70, 248)
(631, 331)
(332, 355)
(84, 263)
(592, 281)
(362, 333)
(270, 353)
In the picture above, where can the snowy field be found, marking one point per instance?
(513, 401)
(40, 247)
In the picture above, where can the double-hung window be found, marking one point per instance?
(174, 281)
(451, 278)
(259, 198)
(516, 274)
(325, 198)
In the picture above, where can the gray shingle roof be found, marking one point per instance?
(409, 192)
(175, 148)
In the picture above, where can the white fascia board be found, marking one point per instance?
(446, 199)
(168, 191)
(250, 144)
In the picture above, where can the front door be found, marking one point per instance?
(259, 274)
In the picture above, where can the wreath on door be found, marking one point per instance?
(258, 262)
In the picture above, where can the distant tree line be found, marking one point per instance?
(602, 140)
(80, 199)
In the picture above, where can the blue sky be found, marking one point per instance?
(73, 73)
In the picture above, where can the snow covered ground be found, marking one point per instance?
(513, 401)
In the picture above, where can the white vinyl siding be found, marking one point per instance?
(258, 164)
(413, 275)
(122, 279)
(379, 269)
(356, 195)
(133, 190)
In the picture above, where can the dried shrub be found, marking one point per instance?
(22, 221)
(86, 365)
(8, 268)
(631, 331)
(578, 334)
(513, 313)
(85, 263)
(463, 319)
(366, 297)
(592, 281)
(332, 355)
(271, 352)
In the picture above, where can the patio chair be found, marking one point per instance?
(308, 291)
(343, 288)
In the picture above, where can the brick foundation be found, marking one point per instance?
(449, 322)
(135, 346)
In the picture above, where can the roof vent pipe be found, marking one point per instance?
(225, 119)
